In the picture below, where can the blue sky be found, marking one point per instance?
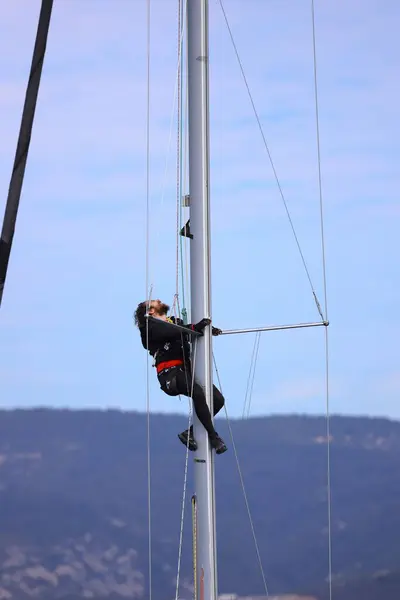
(77, 270)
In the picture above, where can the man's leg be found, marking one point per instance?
(189, 388)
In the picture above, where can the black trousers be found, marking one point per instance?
(177, 380)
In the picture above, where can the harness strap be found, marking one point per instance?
(168, 364)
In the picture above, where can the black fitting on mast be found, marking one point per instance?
(185, 231)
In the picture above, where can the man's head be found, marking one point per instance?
(155, 308)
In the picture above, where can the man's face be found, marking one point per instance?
(158, 308)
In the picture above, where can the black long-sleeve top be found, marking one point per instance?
(165, 341)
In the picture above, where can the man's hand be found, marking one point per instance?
(216, 331)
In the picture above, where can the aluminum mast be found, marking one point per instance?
(200, 273)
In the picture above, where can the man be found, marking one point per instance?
(170, 348)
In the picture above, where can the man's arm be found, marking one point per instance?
(163, 331)
(200, 326)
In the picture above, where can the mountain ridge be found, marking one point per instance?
(73, 490)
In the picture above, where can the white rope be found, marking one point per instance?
(243, 488)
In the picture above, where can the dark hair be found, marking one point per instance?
(140, 313)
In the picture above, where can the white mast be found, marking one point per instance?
(200, 267)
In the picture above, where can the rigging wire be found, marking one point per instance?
(272, 163)
(324, 318)
(177, 87)
(252, 372)
(243, 487)
(166, 166)
(185, 476)
(328, 450)
(148, 294)
(179, 257)
(184, 241)
(255, 351)
(178, 147)
(327, 379)
(319, 161)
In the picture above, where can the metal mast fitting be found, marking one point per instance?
(275, 328)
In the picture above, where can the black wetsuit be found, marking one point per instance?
(170, 346)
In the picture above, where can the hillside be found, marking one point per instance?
(73, 506)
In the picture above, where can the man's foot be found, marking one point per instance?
(218, 444)
(184, 439)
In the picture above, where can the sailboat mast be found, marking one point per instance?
(200, 273)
